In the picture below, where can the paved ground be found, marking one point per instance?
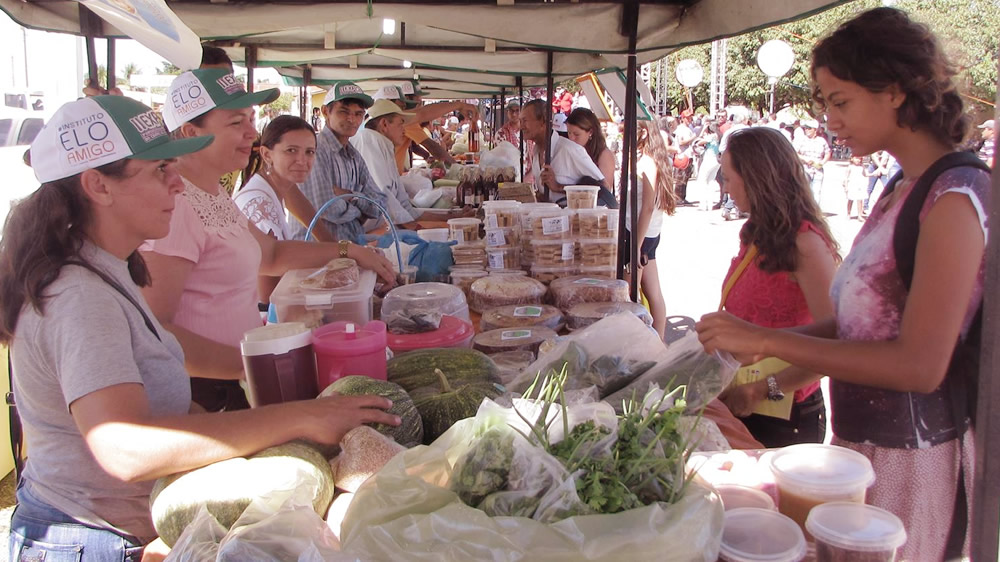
(694, 254)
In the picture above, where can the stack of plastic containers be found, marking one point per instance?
(469, 254)
(503, 236)
(553, 252)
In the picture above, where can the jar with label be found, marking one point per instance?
(502, 237)
(549, 274)
(552, 224)
(598, 223)
(465, 230)
(598, 252)
(553, 253)
(503, 257)
(581, 196)
(501, 214)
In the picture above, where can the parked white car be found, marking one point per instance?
(18, 128)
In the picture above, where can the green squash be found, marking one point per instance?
(443, 405)
(415, 369)
(410, 432)
(227, 487)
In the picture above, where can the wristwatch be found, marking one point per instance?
(344, 246)
(774, 392)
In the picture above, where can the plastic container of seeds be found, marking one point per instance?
(598, 252)
(598, 223)
(464, 230)
(553, 253)
(551, 224)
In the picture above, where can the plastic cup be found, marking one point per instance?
(852, 531)
(408, 276)
(808, 475)
(752, 534)
(735, 497)
(581, 196)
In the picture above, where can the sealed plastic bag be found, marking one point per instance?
(412, 508)
(683, 363)
(591, 358)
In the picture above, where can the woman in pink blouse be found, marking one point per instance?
(204, 272)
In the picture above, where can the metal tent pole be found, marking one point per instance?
(251, 58)
(630, 183)
(549, 90)
(985, 524)
(503, 106)
(90, 26)
(520, 133)
(111, 80)
(304, 101)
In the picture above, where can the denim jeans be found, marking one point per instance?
(816, 185)
(40, 533)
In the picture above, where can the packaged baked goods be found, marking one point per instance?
(441, 298)
(504, 236)
(548, 274)
(463, 278)
(520, 315)
(598, 252)
(499, 290)
(581, 196)
(501, 214)
(336, 274)
(552, 253)
(473, 255)
(503, 257)
(316, 307)
(602, 271)
(573, 290)
(586, 313)
(525, 211)
(551, 223)
(507, 272)
(597, 223)
(465, 230)
(512, 339)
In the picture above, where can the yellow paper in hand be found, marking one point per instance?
(760, 371)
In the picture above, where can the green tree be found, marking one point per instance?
(169, 68)
(284, 103)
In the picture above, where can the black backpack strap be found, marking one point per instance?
(16, 434)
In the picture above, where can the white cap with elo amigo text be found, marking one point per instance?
(91, 132)
(199, 91)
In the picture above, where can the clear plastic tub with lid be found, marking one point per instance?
(751, 534)
(525, 211)
(597, 223)
(453, 332)
(469, 255)
(518, 315)
(598, 252)
(551, 224)
(465, 230)
(735, 496)
(499, 290)
(503, 257)
(527, 338)
(426, 297)
(849, 532)
(316, 307)
(502, 214)
(463, 278)
(811, 474)
(581, 196)
(547, 274)
(504, 236)
(586, 313)
(553, 253)
(576, 289)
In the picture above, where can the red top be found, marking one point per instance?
(773, 300)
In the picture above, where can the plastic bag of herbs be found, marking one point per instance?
(542, 480)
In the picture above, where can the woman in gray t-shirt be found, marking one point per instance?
(100, 385)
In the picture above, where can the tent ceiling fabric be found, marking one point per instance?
(445, 40)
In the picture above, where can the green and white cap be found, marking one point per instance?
(91, 132)
(411, 88)
(199, 91)
(344, 90)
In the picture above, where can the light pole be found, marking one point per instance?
(774, 59)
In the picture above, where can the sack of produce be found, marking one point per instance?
(544, 480)
(683, 363)
(591, 358)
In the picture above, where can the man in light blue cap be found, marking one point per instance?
(340, 169)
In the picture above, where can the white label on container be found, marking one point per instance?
(491, 221)
(528, 311)
(496, 260)
(568, 251)
(515, 334)
(589, 281)
(318, 300)
(495, 237)
(555, 225)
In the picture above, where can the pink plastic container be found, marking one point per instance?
(343, 349)
(453, 332)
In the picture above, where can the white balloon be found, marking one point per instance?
(775, 58)
(689, 73)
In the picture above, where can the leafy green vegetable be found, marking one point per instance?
(484, 468)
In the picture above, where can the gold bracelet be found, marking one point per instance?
(344, 247)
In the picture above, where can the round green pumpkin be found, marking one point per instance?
(415, 369)
(444, 404)
(410, 432)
